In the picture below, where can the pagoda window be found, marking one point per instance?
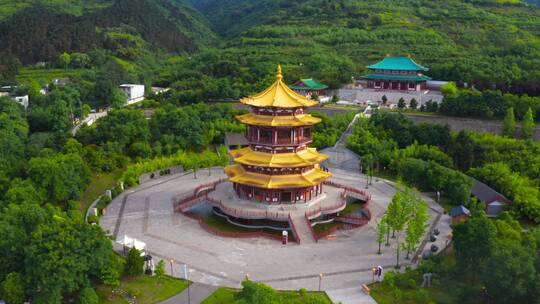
(307, 133)
(265, 136)
(284, 136)
(412, 85)
(377, 84)
(286, 196)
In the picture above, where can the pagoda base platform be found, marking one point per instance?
(332, 200)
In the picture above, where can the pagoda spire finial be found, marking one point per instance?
(279, 76)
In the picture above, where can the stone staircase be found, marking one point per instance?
(302, 229)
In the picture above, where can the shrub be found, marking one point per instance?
(134, 263)
(88, 296)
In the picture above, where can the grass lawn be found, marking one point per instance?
(146, 289)
(226, 296)
(44, 76)
(98, 184)
(323, 227)
(222, 225)
(353, 206)
(445, 289)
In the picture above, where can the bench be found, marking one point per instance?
(365, 289)
(331, 237)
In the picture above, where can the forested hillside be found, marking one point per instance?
(41, 31)
(474, 41)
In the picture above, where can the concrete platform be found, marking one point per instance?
(146, 213)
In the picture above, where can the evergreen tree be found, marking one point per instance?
(528, 125)
(401, 103)
(509, 125)
(384, 99)
(413, 104)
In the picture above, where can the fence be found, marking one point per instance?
(334, 208)
(198, 196)
(313, 233)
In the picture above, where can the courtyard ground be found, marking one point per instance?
(146, 213)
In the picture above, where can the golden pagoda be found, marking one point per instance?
(278, 167)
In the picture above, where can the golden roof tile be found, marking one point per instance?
(304, 158)
(237, 174)
(278, 95)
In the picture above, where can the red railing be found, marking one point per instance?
(293, 228)
(187, 202)
(252, 214)
(317, 212)
(315, 237)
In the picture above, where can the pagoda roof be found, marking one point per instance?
(278, 95)
(397, 77)
(278, 121)
(237, 174)
(304, 158)
(397, 63)
(309, 84)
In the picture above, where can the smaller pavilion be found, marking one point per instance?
(309, 86)
(397, 73)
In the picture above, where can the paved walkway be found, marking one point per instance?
(196, 294)
(352, 295)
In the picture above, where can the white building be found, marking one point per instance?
(23, 100)
(134, 92)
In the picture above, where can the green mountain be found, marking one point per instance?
(481, 41)
(40, 30)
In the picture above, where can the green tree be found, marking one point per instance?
(256, 293)
(80, 60)
(117, 99)
(463, 151)
(528, 125)
(64, 59)
(134, 263)
(12, 288)
(474, 242)
(398, 213)
(450, 89)
(382, 231)
(86, 109)
(509, 124)
(88, 296)
(413, 104)
(401, 104)
(160, 270)
(416, 225)
(384, 99)
(62, 177)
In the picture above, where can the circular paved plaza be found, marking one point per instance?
(146, 213)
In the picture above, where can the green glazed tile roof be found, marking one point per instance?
(397, 63)
(308, 84)
(398, 77)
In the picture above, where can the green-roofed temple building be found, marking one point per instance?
(397, 73)
(309, 86)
